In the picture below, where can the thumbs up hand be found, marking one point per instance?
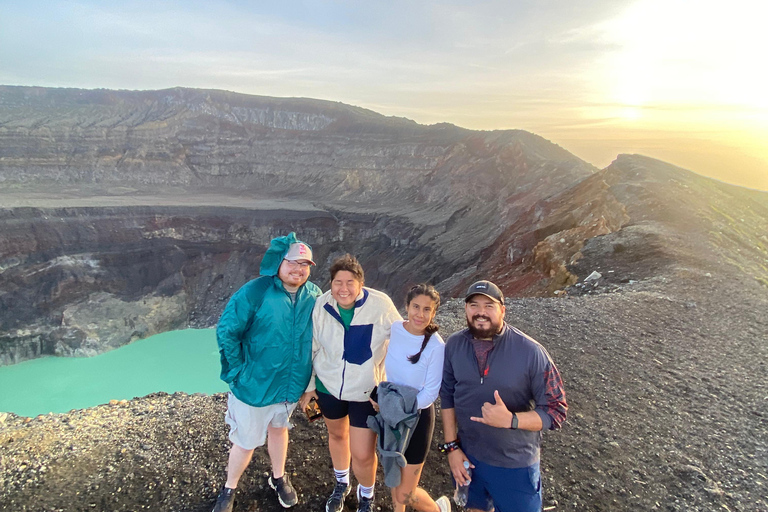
(495, 415)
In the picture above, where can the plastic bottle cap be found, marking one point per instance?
(466, 464)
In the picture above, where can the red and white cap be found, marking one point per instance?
(299, 251)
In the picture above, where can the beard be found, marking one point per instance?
(483, 333)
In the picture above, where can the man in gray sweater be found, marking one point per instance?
(500, 390)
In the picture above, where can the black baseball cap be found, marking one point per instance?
(486, 288)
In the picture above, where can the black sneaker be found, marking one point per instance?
(286, 494)
(225, 500)
(364, 504)
(336, 502)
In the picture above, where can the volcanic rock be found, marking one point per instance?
(150, 208)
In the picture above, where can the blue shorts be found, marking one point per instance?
(506, 489)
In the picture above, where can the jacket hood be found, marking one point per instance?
(278, 248)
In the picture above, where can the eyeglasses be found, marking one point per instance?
(294, 264)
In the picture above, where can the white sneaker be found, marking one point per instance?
(443, 503)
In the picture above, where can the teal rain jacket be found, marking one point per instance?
(265, 339)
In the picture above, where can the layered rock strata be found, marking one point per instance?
(78, 281)
(413, 202)
(152, 207)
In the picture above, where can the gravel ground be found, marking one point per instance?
(666, 380)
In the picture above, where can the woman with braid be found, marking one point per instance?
(415, 359)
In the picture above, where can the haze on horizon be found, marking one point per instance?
(676, 80)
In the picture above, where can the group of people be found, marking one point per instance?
(375, 377)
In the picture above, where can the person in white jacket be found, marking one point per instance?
(415, 359)
(351, 326)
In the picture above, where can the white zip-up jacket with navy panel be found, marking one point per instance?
(350, 363)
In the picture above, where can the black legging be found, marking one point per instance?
(418, 447)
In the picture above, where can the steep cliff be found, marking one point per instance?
(77, 281)
(413, 202)
(465, 185)
(637, 219)
(124, 213)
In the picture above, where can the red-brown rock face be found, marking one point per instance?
(167, 199)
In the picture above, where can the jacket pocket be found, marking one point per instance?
(357, 344)
(229, 373)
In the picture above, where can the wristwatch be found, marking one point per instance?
(514, 422)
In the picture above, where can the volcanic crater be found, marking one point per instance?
(157, 205)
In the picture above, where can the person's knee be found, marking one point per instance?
(277, 431)
(363, 458)
(338, 435)
(338, 430)
(239, 450)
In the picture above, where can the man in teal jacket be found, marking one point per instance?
(265, 342)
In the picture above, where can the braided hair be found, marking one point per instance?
(429, 291)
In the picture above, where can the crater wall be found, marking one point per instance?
(79, 281)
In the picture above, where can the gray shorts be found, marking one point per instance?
(248, 424)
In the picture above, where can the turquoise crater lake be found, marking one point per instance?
(186, 360)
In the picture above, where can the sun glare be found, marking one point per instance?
(631, 113)
(693, 53)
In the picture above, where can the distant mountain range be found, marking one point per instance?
(171, 196)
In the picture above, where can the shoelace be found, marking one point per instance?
(365, 505)
(224, 496)
(338, 491)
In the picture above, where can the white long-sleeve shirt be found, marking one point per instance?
(427, 374)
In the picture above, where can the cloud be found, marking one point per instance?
(553, 67)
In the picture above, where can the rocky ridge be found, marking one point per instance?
(81, 230)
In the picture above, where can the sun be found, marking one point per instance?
(676, 52)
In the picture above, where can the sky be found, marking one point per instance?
(683, 81)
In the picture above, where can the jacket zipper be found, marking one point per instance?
(344, 368)
(488, 363)
(293, 340)
(474, 356)
(484, 373)
(343, 371)
(294, 303)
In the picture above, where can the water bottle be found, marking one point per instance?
(461, 493)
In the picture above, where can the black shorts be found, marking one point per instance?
(418, 447)
(335, 409)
